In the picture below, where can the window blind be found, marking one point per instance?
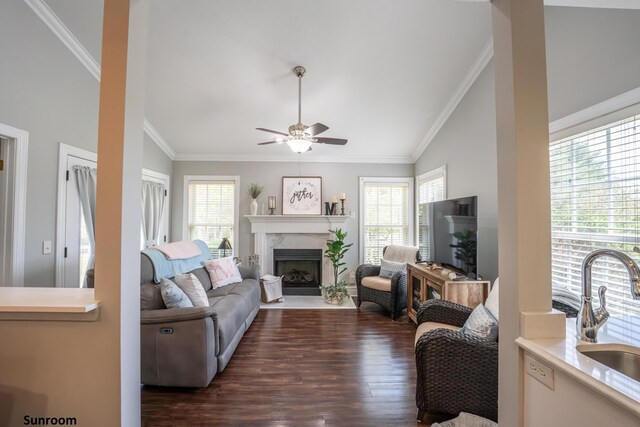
(386, 217)
(595, 202)
(430, 189)
(212, 213)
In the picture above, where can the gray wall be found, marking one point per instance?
(154, 158)
(336, 178)
(592, 55)
(46, 91)
(467, 145)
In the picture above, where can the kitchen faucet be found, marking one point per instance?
(589, 321)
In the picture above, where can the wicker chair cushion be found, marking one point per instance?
(377, 282)
(429, 326)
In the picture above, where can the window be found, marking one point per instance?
(386, 206)
(211, 208)
(432, 187)
(595, 202)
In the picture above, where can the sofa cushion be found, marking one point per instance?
(151, 297)
(173, 296)
(223, 271)
(430, 326)
(389, 268)
(191, 286)
(203, 275)
(377, 282)
(481, 324)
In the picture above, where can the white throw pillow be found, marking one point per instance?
(389, 268)
(223, 271)
(481, 324)
(191, 286)
(173, 296)
(492, 300)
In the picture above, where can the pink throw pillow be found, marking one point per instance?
(223, 271)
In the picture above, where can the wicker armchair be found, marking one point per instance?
(395, 299)
(455, 372)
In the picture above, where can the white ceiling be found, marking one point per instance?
(379, 72)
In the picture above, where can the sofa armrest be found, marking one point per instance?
(175, 314)
(443, 312)
(249, 272)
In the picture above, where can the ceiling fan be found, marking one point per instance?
(300, 136)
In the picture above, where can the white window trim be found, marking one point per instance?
(15, 248)
(185, 205)
(410, 208)
(165, 180)
(427, 176)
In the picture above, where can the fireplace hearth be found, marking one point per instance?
(301, 270)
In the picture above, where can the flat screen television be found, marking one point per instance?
(448, 234)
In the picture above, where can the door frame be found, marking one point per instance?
(16, 203)
(64, 152)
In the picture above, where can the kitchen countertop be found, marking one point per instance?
(561, 354)
(70, 304)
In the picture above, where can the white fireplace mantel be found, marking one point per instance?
(291, 231)
(295, 223)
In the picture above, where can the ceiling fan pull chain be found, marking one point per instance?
(299, 170)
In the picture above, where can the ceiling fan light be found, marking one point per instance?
(299, 145)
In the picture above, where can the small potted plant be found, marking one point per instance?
(254, 191)
(466, 249)
(336, 293)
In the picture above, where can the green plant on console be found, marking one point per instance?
(466, 248)
(255, 190)
(335, 252)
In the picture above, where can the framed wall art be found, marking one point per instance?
(301, 195)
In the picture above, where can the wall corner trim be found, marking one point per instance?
(51, 20)
(463, 87)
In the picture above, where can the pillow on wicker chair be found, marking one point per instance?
(481, 324)
(389, 268)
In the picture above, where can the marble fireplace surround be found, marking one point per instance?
(292, 232)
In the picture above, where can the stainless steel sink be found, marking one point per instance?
(622, 358)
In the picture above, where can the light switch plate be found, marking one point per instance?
(539, 371)
(46, 247)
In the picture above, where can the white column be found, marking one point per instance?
(118, 213)
(523, 192)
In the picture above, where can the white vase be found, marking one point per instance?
(254, 207)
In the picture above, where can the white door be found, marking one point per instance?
(77, 250)
(3, 213)
(165, 180)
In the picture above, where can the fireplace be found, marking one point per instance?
(301, 270)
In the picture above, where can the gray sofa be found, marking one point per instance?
(186, 347)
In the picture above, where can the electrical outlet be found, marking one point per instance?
(353, 214)
(539, 371)
(46, 247)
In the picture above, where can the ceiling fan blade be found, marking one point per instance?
(273, 131)
(332, 141)
(317, 129)
(271, 142)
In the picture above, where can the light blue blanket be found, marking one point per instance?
(164, 268)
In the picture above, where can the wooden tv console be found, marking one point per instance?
(424, 284)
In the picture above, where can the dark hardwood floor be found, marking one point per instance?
(304, 368)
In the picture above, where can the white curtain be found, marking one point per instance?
(86, 182)
(152, 210)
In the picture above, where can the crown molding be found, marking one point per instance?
(602, 4)
(619, 102)
(309, 158)
(480, 63)
(51, 20)
(44, 12)
(159, 140)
